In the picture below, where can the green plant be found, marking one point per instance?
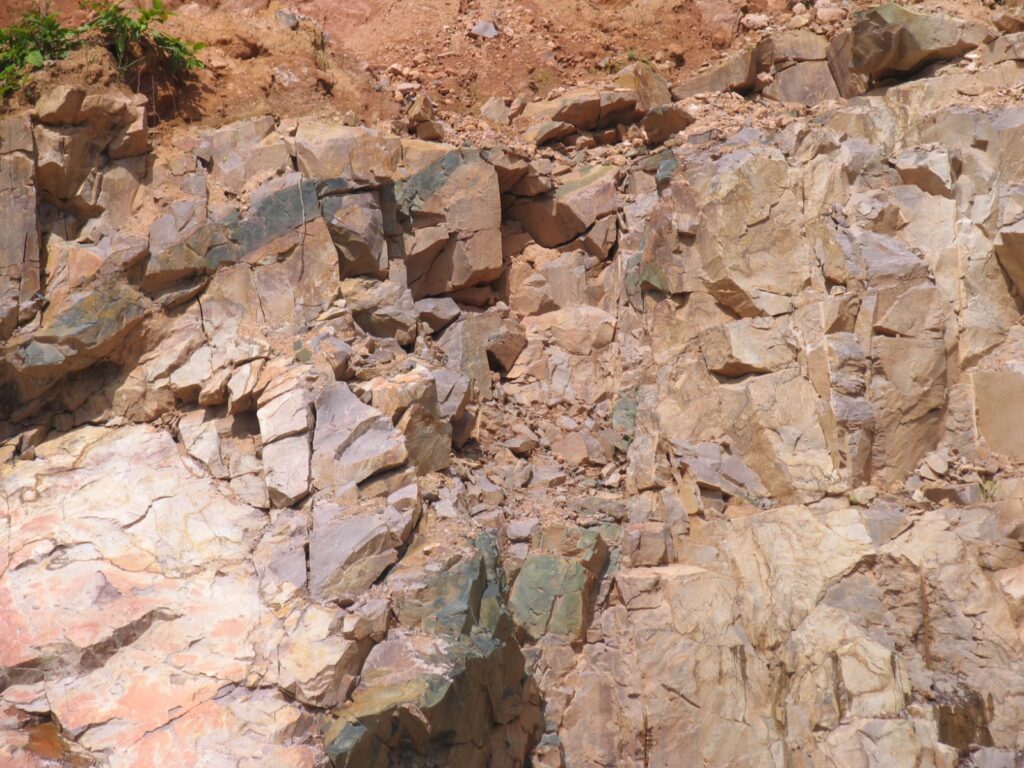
(320, 42)
(632, 56)
(989, 488)
(131, 39)
(37, 38)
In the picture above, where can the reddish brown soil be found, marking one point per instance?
(255, 65)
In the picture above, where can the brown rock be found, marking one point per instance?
(585, 109)
(356, 225)
(999, 399)
(840, 64)
(356, 154)
(649, 86)
(783, 48)
(580, 200)
(496, 110)
(720, 20)
(352, 441)
(60, 105)
(746, 346)
(549, 130)
(1005, 48)
(245, 150)
(736, 73)
(460, 193)
(806, 82)
(890, 40)
(19, 237)
(661, 123)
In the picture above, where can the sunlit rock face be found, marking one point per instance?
(647, 439)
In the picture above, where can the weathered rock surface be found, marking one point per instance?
(689, 439)
(891, 40)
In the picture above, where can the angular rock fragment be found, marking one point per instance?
(736, 73)
(456, 198)
(585, 109)
(651, 89)
(19, 237)
(890, 40)
(350, 549)
(745, 346)
(464, 678)
(552, 593)
(806, 82)
(246, 150)
(357, 229)
(661, 123)
(352, 441)
(354, 156)
(577, 203)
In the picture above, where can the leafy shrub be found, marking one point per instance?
(27, 45)
(131, 37)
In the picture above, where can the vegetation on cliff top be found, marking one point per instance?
(132, 37)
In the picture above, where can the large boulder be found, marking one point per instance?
(736, 73)
(352, 155)
(581, 199)
(454, 237)
(890, 40)
(352, 441)
(455, 663)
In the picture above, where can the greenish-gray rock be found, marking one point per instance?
(552, 594)
(447, 688)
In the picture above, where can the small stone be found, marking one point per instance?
(484, 29)
(495, 110)
(522, 530)
(937, 463)
(431, 130)
(830, 15)
(753, 21)
(422, 110)
(288, 19)
(864, 495)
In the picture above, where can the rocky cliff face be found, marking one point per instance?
(681, 431)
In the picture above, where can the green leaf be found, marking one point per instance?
(34, 59)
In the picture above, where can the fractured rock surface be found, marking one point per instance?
(662, 435)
